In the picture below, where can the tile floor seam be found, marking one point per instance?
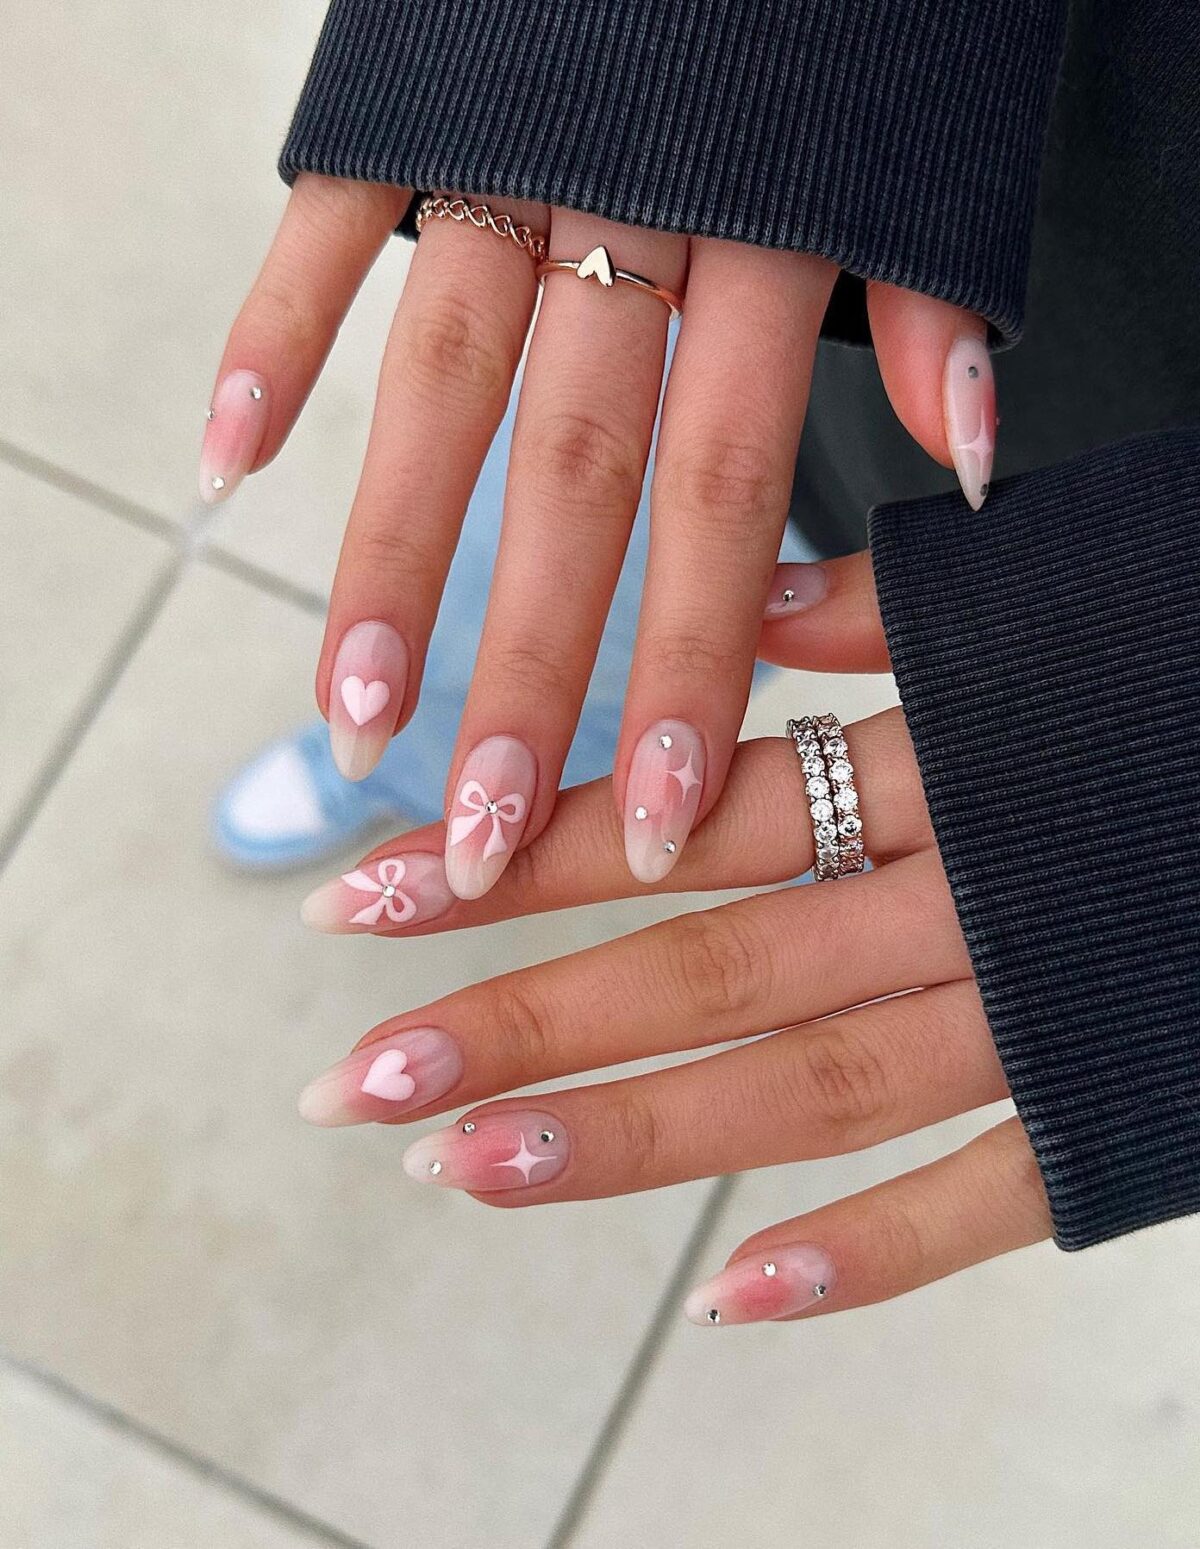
(119, 1423)
(48, 472)
(608, 1437)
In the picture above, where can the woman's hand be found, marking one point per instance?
(868, 978)
(731, 423)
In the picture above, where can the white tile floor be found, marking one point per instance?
(217, 1326)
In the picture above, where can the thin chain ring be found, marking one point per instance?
(438, 207)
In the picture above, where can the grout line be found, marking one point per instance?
(98, 695)
(645, 1357)
(95, 494)
(266, 581)
(204, 1468)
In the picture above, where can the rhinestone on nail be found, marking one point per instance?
(210, 414)
(389, 891)
(468, 1128)
(546, 1137)
(972, 372)
(435, 1168)
(713, 1315)
(492, 807)
(670, 846)
(218, 482)
(820, 1290)
(666, 741)
(789, 595)
(641, 814)
(256, 393)
(769, 1270)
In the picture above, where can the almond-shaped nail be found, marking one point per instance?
(366, 692)
(237, 421)
(385, 1079)
(380, 895)
(488, 814)
(666, 778)
(775, 1284)
(795, 588)
(969, 408)
(515, 1149)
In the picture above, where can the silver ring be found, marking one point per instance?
(832, 796)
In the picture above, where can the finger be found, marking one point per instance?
(686, 983)
(824, 617)
(582, 436)
(934, 361)
(983, 1200)
(331, 231)
(841, 1085)
(443, 387)
(760, 833)
(730, 427)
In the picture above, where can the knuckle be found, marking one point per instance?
(520, 1024)
(587, 460)
(394, 554)
(636, 1133)
(691, 653)
(284, 313)
(898, 1240)
(721, 484)
(454, 349)
(843, 1079)
(719, 968)
(536, 668)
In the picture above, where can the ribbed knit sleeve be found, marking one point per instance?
(902, 141)
(1047, 650)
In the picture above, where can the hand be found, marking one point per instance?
(869, 979)
(731, 422)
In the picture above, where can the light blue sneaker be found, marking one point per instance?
(290, 806)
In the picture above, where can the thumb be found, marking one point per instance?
(824, 617)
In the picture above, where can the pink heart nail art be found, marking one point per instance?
(387, 1077)
(364, 701)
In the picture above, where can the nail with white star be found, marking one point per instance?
(666, 777)
(512, 1149)
(384, 1079)
(969, 410)
(764, 1286)
(233, 434)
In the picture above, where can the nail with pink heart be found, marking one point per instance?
(385, 1079)
(365, 696)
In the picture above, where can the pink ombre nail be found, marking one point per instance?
(384, 1079)
(774, 1284)
(488, 814)
(366, 692)
(380, 895)
(515, 1149)
(666, 778)
(795, 588)
(237, 421)
(969, 407)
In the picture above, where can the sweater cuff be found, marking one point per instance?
(1046, 649)
(901, 141)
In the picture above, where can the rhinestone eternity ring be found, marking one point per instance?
(831, 794)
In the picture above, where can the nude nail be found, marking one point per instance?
(666, 777)
(515, 1149)
(969, 407)
(795, 588)
(380, 895)
(366, 693)
(773, 1284)
(237, 421)
(384, 1079)
(488, 814)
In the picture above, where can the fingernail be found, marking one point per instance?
(510, 1150)
(661, 798)
(384, 1079)
(488, 814)
(379, 895)
(366, 692)
(236, 422)
(754, 1290)
(969, 407)
(795, 588)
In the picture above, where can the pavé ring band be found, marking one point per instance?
(436, 207)
(597, 265)
(832, 796)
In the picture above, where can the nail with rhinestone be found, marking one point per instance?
(757, 1290)
(385, 1079)
(666, 778)
(382, 895)
(233, 435)
(511, 1149)
(487, 815)
(969, 410)
(366, 695)
(795, 589)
